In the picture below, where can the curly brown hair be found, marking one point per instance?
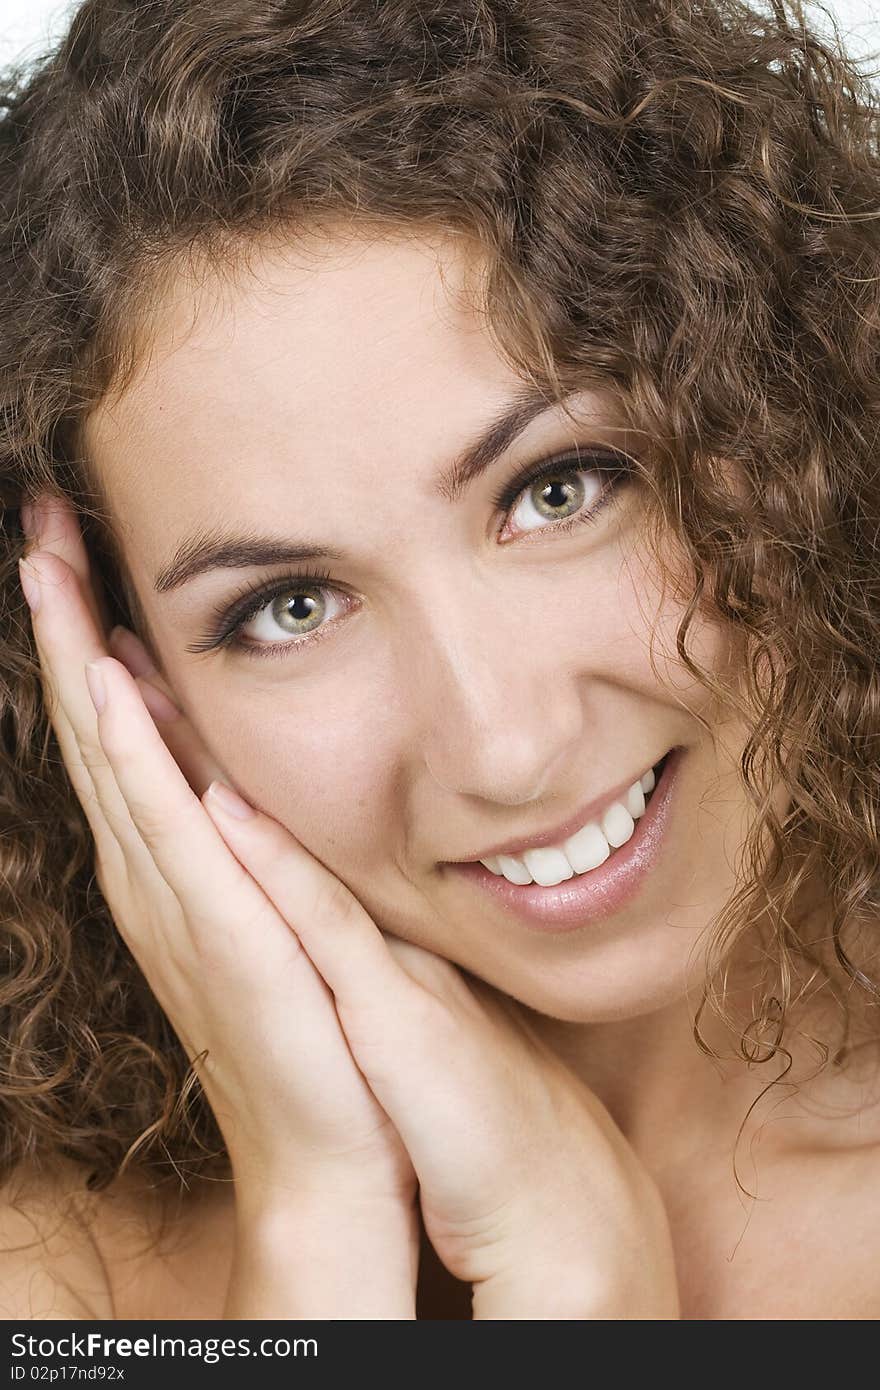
(677, 199)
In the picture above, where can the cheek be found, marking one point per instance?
(649, 612)
(307, 762)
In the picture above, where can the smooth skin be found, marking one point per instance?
(480, 676)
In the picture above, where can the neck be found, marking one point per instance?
(672, 1100)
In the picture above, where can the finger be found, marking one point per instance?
(195, 761)
(55, 529)
(130, 650)
(165, 812)
(340, 937)
(179, 737)
(65, 637)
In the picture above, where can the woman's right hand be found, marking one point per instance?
(296, 1113)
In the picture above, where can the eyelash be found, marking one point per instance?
(230, 618)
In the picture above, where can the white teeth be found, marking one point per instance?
(635, 800)
(547, 866)
(617, 824)
(586, 849)
(513, 870)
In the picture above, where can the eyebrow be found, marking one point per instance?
(218, 549)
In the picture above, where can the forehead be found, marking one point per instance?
(349, 341)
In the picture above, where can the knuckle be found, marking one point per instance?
(151, 826)
(91, 756)
(100, 817)
(158, 825)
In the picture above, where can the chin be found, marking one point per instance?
(603, 993)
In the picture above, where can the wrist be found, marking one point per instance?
(575, 1276)
(328, 1257)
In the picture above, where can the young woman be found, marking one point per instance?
(440, 784)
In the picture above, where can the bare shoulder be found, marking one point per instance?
(798, 1237)
(50, 1264)
(166, 1257)
(124, 1252)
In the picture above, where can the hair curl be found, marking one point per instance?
(679, 199)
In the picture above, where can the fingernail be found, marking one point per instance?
(95, 682)
(229, 801)
(157, 702)
(30, 585)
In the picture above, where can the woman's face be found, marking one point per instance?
(465, 674)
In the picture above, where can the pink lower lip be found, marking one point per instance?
(591, 897)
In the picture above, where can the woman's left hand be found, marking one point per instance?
(528, 1189)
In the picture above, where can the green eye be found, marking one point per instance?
(556, 497)
(557, 492)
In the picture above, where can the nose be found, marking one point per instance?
(500, 707)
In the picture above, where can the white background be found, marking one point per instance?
(27, 25)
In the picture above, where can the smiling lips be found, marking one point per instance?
(586, 849)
